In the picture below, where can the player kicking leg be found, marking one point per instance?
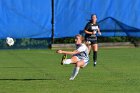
(78, 64)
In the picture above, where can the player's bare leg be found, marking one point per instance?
(76, 69)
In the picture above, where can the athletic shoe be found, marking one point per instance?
(71, 78)
(94, 64)
(63, 58)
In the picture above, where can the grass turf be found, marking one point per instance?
(39, 71)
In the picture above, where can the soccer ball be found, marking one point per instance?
(10, 41)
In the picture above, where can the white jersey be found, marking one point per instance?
(83, 55)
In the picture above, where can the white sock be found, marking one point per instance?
(75, 73)
(67, 61)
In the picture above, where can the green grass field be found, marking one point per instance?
(39, 71)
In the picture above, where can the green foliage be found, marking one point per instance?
(27, 43)
(100, 39)
(114, 39)
(46, 43)
(64, 40)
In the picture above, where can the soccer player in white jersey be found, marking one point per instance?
(79, 56)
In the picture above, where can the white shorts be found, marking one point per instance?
(85, 61)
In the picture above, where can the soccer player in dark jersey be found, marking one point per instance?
(91, 31)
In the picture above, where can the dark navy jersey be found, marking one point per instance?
(91, 28)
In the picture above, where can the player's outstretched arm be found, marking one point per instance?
(67, 52)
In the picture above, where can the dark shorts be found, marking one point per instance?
(92, 40)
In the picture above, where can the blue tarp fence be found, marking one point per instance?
(33, 18)
(25, 18)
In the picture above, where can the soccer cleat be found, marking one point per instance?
(63, 58)
(71, 78)
(94, 64)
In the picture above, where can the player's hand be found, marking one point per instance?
(59, 51)
(100, 33)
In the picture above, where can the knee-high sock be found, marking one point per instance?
(94, 56)
(75, 72)
(67, 61)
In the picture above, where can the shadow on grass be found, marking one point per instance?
(25, 79)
